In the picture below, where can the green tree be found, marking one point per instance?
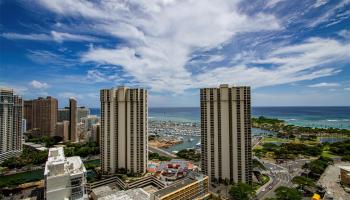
(303, 181)
(285, 193)
(242, 191)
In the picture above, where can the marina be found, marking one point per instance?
(173, 136)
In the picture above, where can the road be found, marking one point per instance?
(161, 152)
(281, 175)
(257, 140)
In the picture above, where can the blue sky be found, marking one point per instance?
(292, 53)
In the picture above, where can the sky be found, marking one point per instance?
(292, 53)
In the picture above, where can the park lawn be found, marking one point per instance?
(328, 154)
(274, 139)
(17, 179)
(258, 146)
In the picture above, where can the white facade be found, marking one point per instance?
(11, 115)
(64, 177)
(90, 120)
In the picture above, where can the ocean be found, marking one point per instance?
(321, 117)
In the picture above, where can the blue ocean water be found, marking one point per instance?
(336, 117)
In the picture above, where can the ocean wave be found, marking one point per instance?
(291, 119)
(332, 120)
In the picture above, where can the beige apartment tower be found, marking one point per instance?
(123, 138)
(226, 133)
(11, 115)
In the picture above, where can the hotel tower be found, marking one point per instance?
(41, 116)
(226, 133)
(11, 115)
(123, 138)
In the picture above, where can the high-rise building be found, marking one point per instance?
(226, 133)
(41, 115)
(90, 120)
(11, 115)
(95, 132)
(65, 178)
(72, 133)
(82, 112)
(24, 126)
(123, 138)
(62, 129)
(63, 113)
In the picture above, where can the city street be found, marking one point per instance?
(160, 152)
(281, 175)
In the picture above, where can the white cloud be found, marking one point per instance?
(60, 37)
(319, 3)
(18, 36)
(324, 84)
(345, 34)
(272, 3)
(347, 88)
(53, 36)
(38, 85)
(215, 58)
(161, 36)
(326, 16)
(160, 40)
(306, 61)
(47, 57)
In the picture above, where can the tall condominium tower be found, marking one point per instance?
(72, 133)
(41, 115)
(123, 138)
(11, 114)
(226, 133)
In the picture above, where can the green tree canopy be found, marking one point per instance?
(303, 181)
(242, 191)
(285, 193)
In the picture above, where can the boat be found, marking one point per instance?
(190, 139)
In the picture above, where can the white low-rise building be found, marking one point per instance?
(65, 178)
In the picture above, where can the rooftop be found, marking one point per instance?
(179, 184)
(102, 191)
(347, 168)
(57, 164)
(132, 194)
